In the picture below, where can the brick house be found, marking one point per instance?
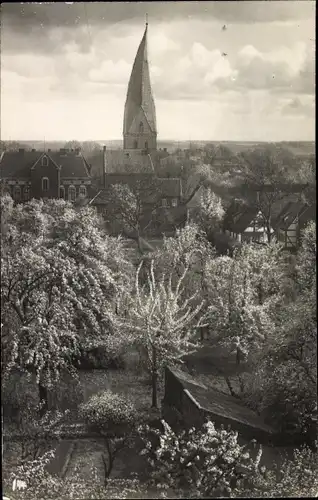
(45, 174)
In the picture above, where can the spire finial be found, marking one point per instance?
(146, 19)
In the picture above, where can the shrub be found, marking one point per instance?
(107, 409)
(198, 462)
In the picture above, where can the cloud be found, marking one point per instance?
(111, 72)
(22, 16)
(299, 107)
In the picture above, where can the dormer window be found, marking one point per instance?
(45, 184)
(45, 161)
(141, 128)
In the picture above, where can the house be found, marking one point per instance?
(244, 223)
(291, 221)
(189, 403)
(45, 174)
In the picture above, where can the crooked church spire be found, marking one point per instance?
(140, 130)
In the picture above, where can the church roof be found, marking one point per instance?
(139, 94)
(120, 161)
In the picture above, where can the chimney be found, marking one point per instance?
(104, 166)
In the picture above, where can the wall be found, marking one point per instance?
(50, 171)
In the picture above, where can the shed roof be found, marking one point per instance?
(220, 404)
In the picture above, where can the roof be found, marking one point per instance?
(139, 93)
(121, 161)
(293, 210)
(219, 404)
(151, 186)
(239, 217)
(18, 164)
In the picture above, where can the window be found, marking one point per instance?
(146, 145)
(141, 128)
(135, 144)
(62, 192)
(164, 202)
(26, 193)
(45, 184)
(174, 202)
(45, 161)
(71, 193)
(82, 191)
(17, 193)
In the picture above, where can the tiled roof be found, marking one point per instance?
(153, 187)
(119, 161)
(73, 165)
(219, 404)
(239, 216)
(18, 164)
(293, 210)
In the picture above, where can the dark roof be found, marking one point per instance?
(219, 404)
(170, 186)
(73, 165)
(239, 216)
(151, 185)
(293, 210)
(18, 164)
(120, 161)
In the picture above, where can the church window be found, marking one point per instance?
(45, 161)
(135, 144)
(174, 202)
(26, 193)
(45, 184)
(71, 193)
(82, 191)
(62, 192)
(141, 128)
(164, 202)
(17, 193)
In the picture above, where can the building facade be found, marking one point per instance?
(45, 174)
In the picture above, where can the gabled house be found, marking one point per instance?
(45, 174)
(244, 223)
(291, 221)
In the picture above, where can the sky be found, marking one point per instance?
(241, 71)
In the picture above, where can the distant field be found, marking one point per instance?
(297, 148)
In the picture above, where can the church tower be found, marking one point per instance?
(140, 130)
